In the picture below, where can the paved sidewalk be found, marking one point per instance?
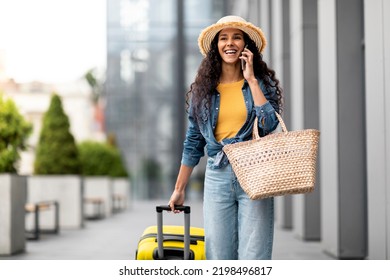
(116, 238)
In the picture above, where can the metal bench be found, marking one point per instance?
(118, 203)
(98, 207)
(35, 209)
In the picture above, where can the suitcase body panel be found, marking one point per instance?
(173, 243)
(169, 242)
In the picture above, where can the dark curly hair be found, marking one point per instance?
(209, 72)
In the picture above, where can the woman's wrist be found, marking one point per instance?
(252, 81)
(180, 188)
(257, 94)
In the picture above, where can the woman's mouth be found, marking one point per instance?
(230, 52)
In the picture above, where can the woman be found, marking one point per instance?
(233, 86)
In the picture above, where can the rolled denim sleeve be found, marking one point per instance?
(194, 143)
(267, 120)
(266, 112)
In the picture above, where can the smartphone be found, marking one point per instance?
(243, 62)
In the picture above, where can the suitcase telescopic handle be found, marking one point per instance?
(187, 211)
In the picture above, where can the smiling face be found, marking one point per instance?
(230, 45)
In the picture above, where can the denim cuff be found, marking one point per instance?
(189, 161)
(264, 110)
(266, 118)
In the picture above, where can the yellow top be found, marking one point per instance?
(232, 111)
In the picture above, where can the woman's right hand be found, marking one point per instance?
(177, 198)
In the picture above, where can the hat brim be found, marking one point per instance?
(207, 35)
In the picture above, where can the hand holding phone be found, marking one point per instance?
(243, 62)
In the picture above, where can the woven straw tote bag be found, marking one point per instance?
(280, 163)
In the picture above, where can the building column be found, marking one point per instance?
(265, 24)
(342, 126)
(281, 64)
(305, 104)
(377, 61)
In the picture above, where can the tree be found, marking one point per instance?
(95, 85)
(14, 132)
(57, 151)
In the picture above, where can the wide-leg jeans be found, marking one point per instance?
(236, 227)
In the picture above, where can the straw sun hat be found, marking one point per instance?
(208, 34)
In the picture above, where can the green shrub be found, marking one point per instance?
(57, 151)
(96, 158)
(100, 159)
(117, 169)
(14, 131)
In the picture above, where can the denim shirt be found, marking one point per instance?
(200, 135)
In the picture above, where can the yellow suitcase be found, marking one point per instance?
(178, 242)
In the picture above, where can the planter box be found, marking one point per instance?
(121, 192)
(67, 190)
(98, 188)
(12, 215)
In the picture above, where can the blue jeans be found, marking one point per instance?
(236, 227)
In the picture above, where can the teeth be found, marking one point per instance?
(230, 52)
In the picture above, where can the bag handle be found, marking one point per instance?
(255, 131)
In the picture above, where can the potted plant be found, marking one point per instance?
(100, 162)
(14, 131)
(57, 167)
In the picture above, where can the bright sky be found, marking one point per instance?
(52, 40)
